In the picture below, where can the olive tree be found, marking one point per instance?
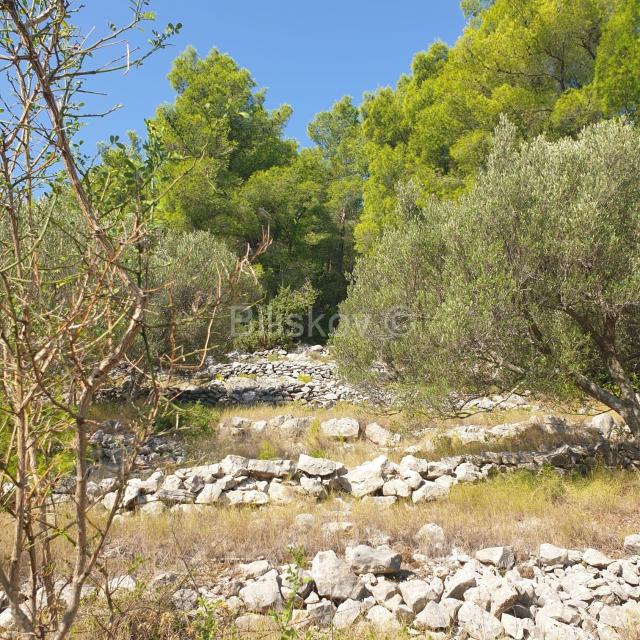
(198, 285)
(531, 279)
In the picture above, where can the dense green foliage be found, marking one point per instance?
(196, 292)
(233, 173)
(222, 134)
(530, 280)
(552, 66)
(229, 173)
(279, 323)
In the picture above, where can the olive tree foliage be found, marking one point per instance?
(198, 291)
(554, 66)
(530, 280)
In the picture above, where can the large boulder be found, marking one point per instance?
(429, 492)
(378, 435)
(349, 611)
(268, 469)
(500, 557)
(434, 617)
(340, 428)
(595, 558)
(460, 582)
(551, 555)
(414, 465)
(478, 623)
(234, 466)
(319, 466)
(383, 619)
(210, 494)
(262, 596)
(280, 493)
(334, 578)
(368, 478)
(365, 559)
(396, 487)
(416, 594)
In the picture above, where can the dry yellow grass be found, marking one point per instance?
(154, 620)
(432, 439)
(521, 510)
(429, 434)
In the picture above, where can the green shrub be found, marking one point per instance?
(267, 451)
(530, 280)
(280, 322)
(196, 294)
(192, 419)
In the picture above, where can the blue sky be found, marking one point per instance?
(307, 54)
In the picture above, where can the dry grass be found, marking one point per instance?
(430, 435)
(431, 441)
(157, 620)
(206, 444)
(521, 510)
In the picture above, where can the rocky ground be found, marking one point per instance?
(307, 376)
(427, 585)
(560, 594)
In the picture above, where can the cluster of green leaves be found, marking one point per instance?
(232, 172)
(529, 279)
(279, 322)
(195, 294)
(219, 164)
(552, 66)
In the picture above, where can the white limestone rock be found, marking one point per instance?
(500, 557)
(364, 559)
(319, 466)
(333, 577)
(340, 428)
(478, 623)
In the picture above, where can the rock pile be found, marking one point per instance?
(236, 480)
(270, 377)
(108, 448)
(292, 428)
(554, 594)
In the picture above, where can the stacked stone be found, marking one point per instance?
(236, 480)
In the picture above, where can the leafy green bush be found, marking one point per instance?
(530, 280)
(194, 419)
(196, 292)
(267, 451)
(280, 322)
